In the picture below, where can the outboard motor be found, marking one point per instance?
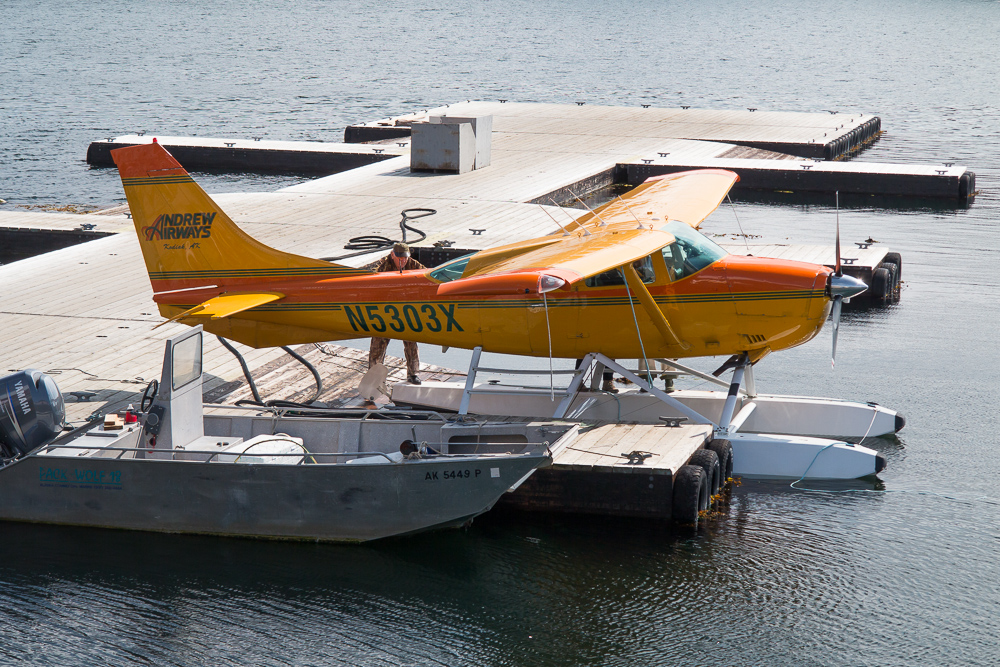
(32, 412)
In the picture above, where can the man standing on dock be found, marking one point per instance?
(397, 260)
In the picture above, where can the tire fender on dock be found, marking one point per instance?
(881, 286)
(893, 280)
(709, 462)
(897, 259)
(724, 450)
(690, 494)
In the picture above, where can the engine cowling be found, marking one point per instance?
(32, 412)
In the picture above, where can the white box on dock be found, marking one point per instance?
(451, 143)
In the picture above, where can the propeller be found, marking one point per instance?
(841, 287)
(838, 301)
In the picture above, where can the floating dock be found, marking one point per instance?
(771, 151)
(299, 157)
(594, 474)
(826, 135)
(863, 178)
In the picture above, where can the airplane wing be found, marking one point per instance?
(225, 305)
(620, 232)
(561, 260)
(688, 196)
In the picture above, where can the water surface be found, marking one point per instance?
(900, 576)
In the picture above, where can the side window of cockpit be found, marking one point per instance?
(673, 257)
(643, 267)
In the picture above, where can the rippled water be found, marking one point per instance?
(901, 576)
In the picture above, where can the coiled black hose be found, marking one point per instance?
(369, 242)
(246, 371)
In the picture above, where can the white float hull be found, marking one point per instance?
(796, 457)
(775, 436)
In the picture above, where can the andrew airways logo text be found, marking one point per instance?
(180, 226)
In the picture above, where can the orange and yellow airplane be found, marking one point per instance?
(633, 278)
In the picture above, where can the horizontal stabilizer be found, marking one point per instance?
(226, 305)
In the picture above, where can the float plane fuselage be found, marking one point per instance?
(634, 278)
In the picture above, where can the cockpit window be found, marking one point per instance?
(452, 270)
(690, 253)
(644, 267)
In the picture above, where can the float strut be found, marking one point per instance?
(734, 389)
(470, 381)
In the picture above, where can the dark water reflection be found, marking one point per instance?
(903, 575)
(793, 577)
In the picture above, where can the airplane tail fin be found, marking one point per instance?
(189, 242)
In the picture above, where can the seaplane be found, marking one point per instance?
(632, 279)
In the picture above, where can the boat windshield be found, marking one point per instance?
(691, 253)
(452, 270)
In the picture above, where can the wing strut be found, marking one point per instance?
(655, 314)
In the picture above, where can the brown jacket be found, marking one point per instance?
(386, 264)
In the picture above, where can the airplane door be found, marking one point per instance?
(562, 322)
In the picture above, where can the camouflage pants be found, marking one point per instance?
(377, 354)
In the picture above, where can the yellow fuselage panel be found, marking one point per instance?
(708, 316)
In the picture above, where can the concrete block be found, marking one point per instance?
(482, 126)
(443, 147)
(451, 143)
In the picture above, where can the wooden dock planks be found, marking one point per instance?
(590, 476)
(602, 447)
(802, 133)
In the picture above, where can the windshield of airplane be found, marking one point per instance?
(452, 270)
(691, 253)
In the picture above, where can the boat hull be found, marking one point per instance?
(327, 502)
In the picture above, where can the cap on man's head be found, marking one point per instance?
(401, 250)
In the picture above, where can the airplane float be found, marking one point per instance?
(631, 279)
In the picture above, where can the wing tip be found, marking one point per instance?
(692, 172)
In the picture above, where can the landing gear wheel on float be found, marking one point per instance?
(709, 462)
(690, 494)
(724, 450)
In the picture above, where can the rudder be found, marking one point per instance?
(187, 241)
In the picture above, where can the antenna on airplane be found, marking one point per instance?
(585, 232)
(603, 224)
(630, 212)
(565, 232)
(739, 224)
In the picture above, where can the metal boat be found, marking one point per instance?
(313, 474)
